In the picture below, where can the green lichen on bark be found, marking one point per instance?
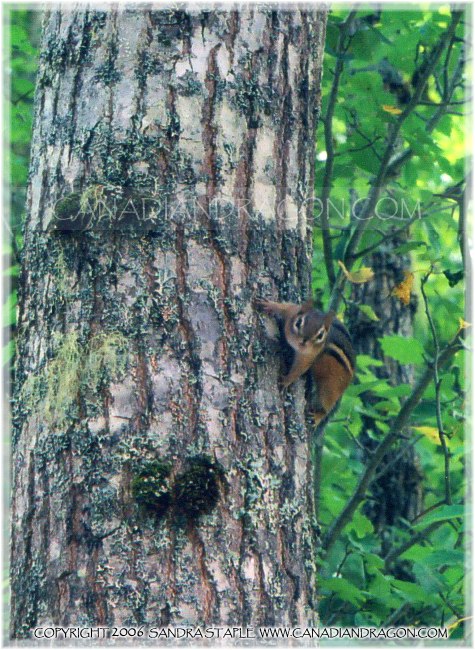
(54, 390)
(189, 377)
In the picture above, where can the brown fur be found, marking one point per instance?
(317, 339)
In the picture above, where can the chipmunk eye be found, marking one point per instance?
(298, 323)
(320, 335)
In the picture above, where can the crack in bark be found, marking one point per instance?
(191, 391)
(210, 602)
(210, 130)
(98, 604)
(281, 147)
(294, 579)
(231, 35)
(265, 601)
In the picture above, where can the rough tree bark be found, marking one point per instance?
(143, 369)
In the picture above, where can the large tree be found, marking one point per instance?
(159, 474)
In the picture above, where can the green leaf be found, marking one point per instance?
(380, 587)
(364, 360)
(403, 390)
(364, 44)
(436, 564)
(373, 561)
(444, 513)
(12, 271)
(409, 246)
(8, 352)
(368, 311)
(439, 558)
(357, 389)
(412, 592)
(429, 579)
(411, 172)
(406, 350)
(361, 525)
(366, 161)
(387, 406)
(9, 309)
(344, 590)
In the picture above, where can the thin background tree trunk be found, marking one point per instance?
(144, 347)
(398, 493)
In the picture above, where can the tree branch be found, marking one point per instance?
(427, 510)
(414, 539)
(387, 167)
(437, 383)
(392, 618)
(356, 149)
(398, 231)
(341, 48)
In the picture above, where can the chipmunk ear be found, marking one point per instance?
(328, 320)
(307, 306)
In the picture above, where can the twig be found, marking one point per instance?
(384, 238)
(356, 441)
(392, 618)
(25, 95)
(394, 133)
(445, 69)
(450, 606)
(356, 149)
(348, 552)
(437, 383)
(354, 125)
(328, 130)
(387, 168)
(405, 155)
(414, 539)
(442, 108)
(461, 226)
(399, 423)
(427, 510)
(454, 103)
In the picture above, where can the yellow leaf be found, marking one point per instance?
(403, 290)
(393, 110)
(432, 433)
(357, 277)
(463, 324)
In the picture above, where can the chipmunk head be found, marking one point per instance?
(308, 329)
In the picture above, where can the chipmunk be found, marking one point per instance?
(322, 344)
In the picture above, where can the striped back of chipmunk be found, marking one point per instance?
(340, 347)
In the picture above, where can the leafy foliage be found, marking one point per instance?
(371, 69)
(23, 25)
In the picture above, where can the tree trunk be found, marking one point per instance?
(159, 474)
(397, 494)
